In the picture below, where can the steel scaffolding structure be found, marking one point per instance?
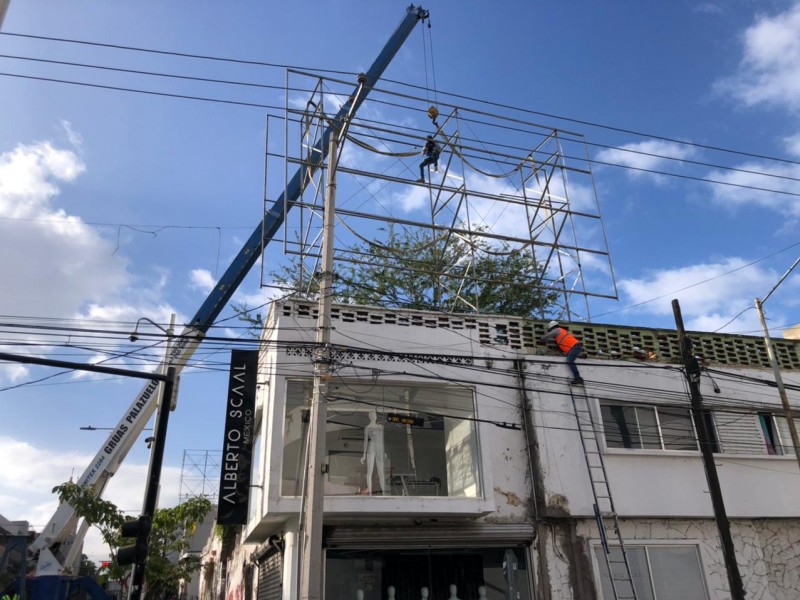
(504, 188)
(200, 471)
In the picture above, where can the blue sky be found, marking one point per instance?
(160, 193)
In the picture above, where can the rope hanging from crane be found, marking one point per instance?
(433, 112)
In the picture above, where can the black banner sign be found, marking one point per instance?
(237, 448)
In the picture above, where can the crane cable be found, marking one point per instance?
(433, 112)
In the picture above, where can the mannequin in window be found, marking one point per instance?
(481, 592)
(373, 449)
(453, 592)
(359, 594)
(390, 593)
(423, 593)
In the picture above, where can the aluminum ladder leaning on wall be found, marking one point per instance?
(616, 558)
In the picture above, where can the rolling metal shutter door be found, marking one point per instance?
(270, 577)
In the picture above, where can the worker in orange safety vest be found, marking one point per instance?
(568, 344)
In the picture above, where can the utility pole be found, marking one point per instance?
(153, 479)
(313, 501)
(773, 360)
(156, 460)
(3, 8)
(704, 438)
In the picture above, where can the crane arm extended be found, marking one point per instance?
(106, 462)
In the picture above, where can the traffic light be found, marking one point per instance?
(139, 529)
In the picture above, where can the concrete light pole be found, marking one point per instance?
(773, 360)
(313, 502)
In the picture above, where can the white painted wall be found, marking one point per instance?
(657, 482)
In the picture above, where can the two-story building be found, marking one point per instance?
(459, 461)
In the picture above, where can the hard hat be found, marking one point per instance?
(552, 324)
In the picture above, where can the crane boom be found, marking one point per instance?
(60, 529)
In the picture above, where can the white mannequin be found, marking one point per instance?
(373, 449)
(453, 592)
(359, 594)
(424, 593)
(390, 592)
(481, 593)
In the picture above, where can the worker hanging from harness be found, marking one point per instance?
(431, 152)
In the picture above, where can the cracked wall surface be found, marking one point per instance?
(767, 553)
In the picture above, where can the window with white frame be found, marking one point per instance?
(648, 427)
(388, 440)
(658, 572)
(784, 436)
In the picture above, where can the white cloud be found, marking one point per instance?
(258, 300)
(769, 72)
(29, 474)
(67, 263)
(651, 155)
(69, 269)
(792, 144)
(746, 187)
(13, 372)
(707, 7)
(724, 288)
(413, 198)
(75, 138)
(202, 280)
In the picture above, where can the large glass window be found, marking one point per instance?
(387, 440)
(648, 427)
(657, 572)
(453, 573)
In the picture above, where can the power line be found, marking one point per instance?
(280, 108)
(249, 104)
(283, 88)
(145, 92)
(153, 73)
(601, 126)
(413, 86)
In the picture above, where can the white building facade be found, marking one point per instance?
(455, 462)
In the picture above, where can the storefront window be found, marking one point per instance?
(387, 440)
(446, 574)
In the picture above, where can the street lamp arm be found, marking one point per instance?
(135, 335)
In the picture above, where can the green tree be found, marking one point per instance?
(414, 270)
(87, 567)
(172, 529)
